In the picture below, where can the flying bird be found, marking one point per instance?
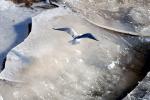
(76, 37)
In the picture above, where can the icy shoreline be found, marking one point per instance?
(53, 69)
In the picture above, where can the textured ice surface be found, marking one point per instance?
(13, 26)
(122, 15)
(46, 67)
(51, 68)
(5, 5)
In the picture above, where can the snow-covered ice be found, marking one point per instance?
(5, 5)
(45, 61)
(45, 66)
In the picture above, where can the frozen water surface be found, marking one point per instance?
(47, 67)
(50, 68)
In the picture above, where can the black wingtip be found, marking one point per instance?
(96, 39)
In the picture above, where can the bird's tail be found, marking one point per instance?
(74, 42)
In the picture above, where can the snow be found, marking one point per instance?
(50, 55)
(4, 5)
(1, 98)
(45, 61)
(112, 65)
(51, 68)
(13, 25)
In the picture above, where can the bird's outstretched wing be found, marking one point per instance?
(87, 35)
(70, 31)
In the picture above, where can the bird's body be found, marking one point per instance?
(75, 36)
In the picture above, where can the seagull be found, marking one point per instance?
(76, 37)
